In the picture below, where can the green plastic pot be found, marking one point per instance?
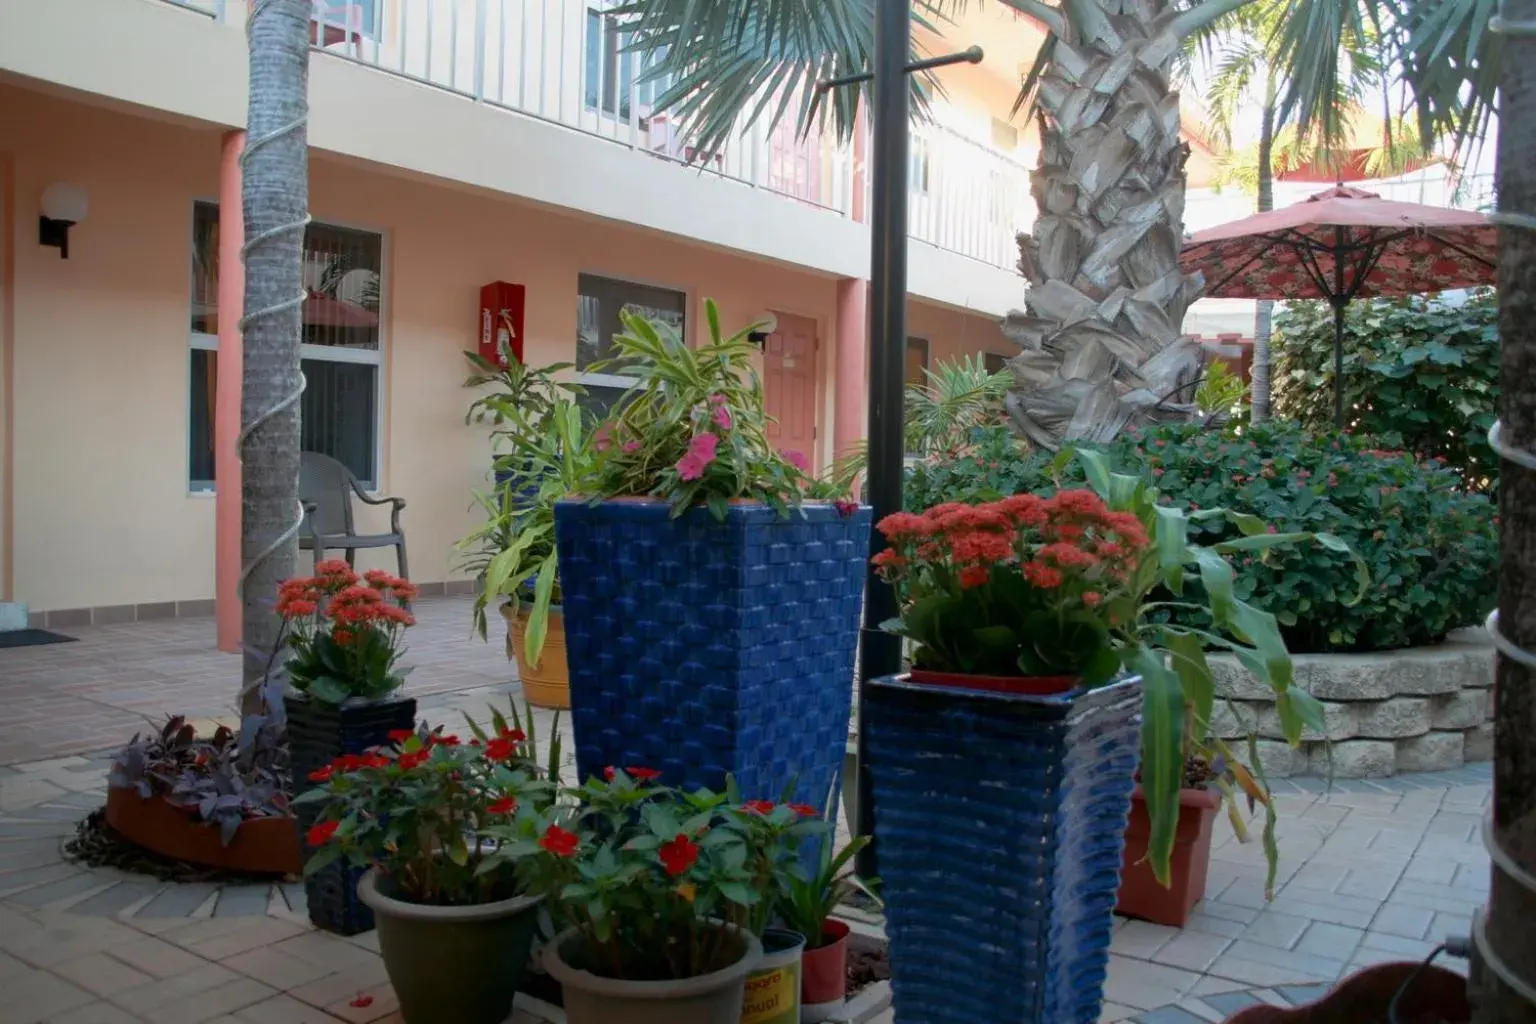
(460, 964)
(714, 998)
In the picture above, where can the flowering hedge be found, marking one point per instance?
(1430, 545)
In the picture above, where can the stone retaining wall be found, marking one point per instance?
(1417, 710)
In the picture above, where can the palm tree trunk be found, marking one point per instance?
(1510, 926)
(1259, 390)
(1100, 332)
(275, 194)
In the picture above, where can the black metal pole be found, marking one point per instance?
(1339, 301)
(879, 651)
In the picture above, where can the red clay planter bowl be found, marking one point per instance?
(1437, 996)
(824, 973)
(1141, 895)
(262, 845)
(1034, 686)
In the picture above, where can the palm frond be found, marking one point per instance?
(1451, 61)
(954, 397)
(729, 63)
(1312, 47)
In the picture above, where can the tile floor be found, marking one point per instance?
(1369, 872)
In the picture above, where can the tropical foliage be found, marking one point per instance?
(1419, 374)
(646, 874)
(692, 430)
(953, 397)
(421, 810)
(1429, 544)
(545, 452)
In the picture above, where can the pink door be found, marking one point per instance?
(789, 384)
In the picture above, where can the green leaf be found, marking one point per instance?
(1172, 539)
(1162, 755)
(329, 689)
(739, 894)
(538, 618)
(1298, 709)
(1096, 470)
(1187, 658)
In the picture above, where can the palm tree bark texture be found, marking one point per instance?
(1510, 923)
(1101, 328)
(275, 197)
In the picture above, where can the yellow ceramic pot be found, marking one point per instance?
(547, 684)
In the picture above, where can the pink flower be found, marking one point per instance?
(603, 438)
(721, 417)
(717, 399)
(690, 467)
(796, 459)
(701, 452)
(631, 446)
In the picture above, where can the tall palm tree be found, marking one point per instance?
(275, 197)
(1099, 334)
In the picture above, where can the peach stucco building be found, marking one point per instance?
(454, 143)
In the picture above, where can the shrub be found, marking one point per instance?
(1430, 544)
(1419, 374)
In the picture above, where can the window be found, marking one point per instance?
(917, 360)
(608, 77)
(599, 300)
(340, 353)
(921, 164)
(340, 20)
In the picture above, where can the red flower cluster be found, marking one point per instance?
(1052, 542)
(320, 833)
(678, 855)
(635, 772)
(560, 842)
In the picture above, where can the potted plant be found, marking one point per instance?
(220, 800)
(705, 598)
(345, 635)
(659, 890)
(1039, 773)
(807, 908)
(456, 922)
(543, 453)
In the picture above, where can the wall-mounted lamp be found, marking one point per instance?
(764, 324)
(63, 206)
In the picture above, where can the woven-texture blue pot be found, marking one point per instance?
(1000, 822)
(701, 648)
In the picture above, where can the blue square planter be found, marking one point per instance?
(699, 647)
(1000, 822)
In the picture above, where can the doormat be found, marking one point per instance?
(32, 638)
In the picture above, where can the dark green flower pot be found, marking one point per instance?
(714, 998)
(459, 964)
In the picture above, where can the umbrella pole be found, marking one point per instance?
(1338, 362)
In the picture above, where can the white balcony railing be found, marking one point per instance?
(564, 61)
(967, 197)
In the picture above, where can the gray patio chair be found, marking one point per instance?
(326, 487)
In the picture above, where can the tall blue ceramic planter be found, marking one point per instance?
(702, 648)
(1000, 822)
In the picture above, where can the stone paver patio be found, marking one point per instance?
(1370, 871)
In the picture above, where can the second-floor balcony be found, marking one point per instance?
(566, 62)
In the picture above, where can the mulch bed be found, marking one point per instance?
(97, 844)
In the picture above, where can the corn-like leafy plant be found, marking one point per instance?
(1179, 691)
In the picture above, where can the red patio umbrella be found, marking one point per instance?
(1339, 244)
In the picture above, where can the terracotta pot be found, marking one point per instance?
(460, 964)
(714, 998)
(1437, 996)
(824, 975)
(547, 684)
(1141, 895)
(1034, 686)
(261, 845)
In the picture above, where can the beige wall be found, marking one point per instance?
(952, 334)
(102, 512)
